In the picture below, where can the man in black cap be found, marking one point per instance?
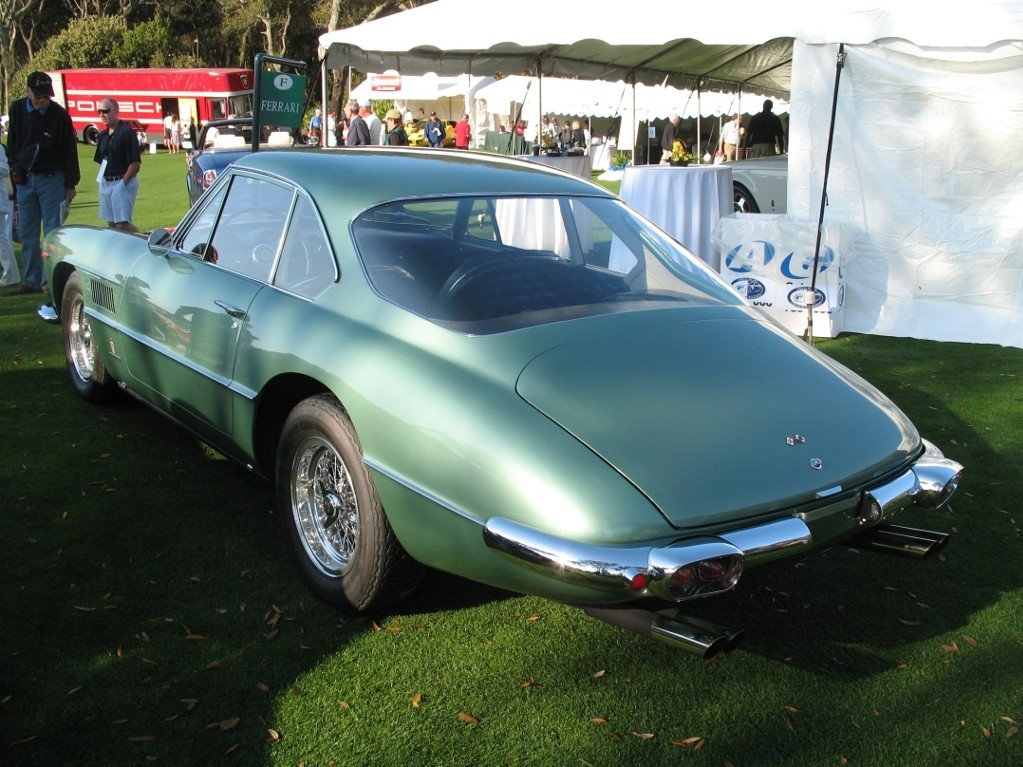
(436, 132)
(42, 150)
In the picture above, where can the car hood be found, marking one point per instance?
(717, 421)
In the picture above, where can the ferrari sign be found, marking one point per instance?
(281, 98)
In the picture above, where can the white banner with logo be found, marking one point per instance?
(769, 259)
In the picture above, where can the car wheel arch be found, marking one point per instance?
(276, 400)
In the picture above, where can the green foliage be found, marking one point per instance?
(88, 42)
(146, 45)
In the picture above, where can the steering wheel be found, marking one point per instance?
(263, 254)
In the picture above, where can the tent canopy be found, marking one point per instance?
(751, 49)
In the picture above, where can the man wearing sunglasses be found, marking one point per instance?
(42, 150)
(119, 158)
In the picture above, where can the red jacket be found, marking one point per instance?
(462, 134)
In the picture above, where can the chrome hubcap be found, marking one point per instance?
(324, 505)
(81, 341)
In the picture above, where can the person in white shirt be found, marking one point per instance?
(376, 128)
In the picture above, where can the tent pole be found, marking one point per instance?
(839, 64)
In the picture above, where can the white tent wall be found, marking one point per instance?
(924, 172)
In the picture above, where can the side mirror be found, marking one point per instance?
(159, 241)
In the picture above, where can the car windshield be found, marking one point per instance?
(498, 263)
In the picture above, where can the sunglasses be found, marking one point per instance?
(102, 111)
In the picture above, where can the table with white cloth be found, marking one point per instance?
(578, 164)
(686, 202)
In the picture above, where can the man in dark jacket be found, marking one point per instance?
(42, 150)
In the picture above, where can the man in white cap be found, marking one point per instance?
(376, 128)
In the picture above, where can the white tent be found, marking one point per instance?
(450, 97)
(923, 168)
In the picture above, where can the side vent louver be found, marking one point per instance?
(102, 295)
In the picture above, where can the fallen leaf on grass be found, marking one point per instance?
(643, 735)
(686, 742)
(142, 738)
(969, 640)
(467, 718)
(599, 674)
(1012, 732)
(1008, 719)
(953, 648)
(190, 703)
(272, 735)
(417, 700)
(262, 687)
(791, 709)
(986, 731)
(214, 665)
(598, 720)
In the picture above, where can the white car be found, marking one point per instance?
(760, 185)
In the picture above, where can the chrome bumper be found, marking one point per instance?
(645, 571)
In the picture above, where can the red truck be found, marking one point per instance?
(146, 96)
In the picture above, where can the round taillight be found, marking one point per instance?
(870, 510)
(681, 577)
(711, 569)
(639, 582)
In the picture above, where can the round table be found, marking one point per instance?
(687, 203)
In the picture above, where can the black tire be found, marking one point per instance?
(332, 517)
(89, 376)
(743, 200)
(90, 135)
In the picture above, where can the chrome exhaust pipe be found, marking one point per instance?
(694, 635)
(896, 539)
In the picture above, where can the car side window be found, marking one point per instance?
(248, 232)
(197, 239)
(306, 266)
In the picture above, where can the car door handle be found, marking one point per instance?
(231, 310)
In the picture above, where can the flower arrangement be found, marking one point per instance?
(679, 153)
(621, 160)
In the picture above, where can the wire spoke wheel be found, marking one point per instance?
(332, 516)
(325, 506)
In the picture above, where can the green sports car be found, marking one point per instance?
(485, 366)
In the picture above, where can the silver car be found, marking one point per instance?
(760, 185)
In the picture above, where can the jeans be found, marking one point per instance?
(39, 200)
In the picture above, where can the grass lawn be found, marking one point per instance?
(150, 614)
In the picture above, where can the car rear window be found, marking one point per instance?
(503, 262)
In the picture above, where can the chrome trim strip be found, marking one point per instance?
(563, 559)
(770, 541)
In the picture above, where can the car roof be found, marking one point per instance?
(368, 175)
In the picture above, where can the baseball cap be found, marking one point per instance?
(366, 103)
(40, 84)
(393, 114)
